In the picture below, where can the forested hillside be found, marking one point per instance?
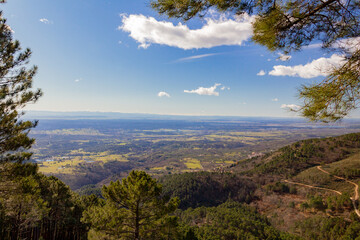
(292, 159)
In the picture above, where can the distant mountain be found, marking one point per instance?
(118, 115)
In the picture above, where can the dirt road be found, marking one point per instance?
(353, 199)
(356, 189)
(309, 186)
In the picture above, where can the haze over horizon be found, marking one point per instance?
(121, 56)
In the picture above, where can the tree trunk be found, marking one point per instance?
(137, 230)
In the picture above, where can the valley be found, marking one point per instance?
(92, 151)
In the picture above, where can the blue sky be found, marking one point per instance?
(121, 56)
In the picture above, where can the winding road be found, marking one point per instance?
(309, 186)
(356, 189)
(353, 199)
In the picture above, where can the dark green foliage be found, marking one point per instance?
(230, 221)
(64, 211)
(323, 228)
(317, 203)
(20, 199)
(278, 187)
(15, 93)
(347, 173)
(90, 190)
(293, 159)
(191, 8)
(33, 206)
(339, 203)
(207, 189)
(134, 209)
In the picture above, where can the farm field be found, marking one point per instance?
(87, 151)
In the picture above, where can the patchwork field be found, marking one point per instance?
(89, 151)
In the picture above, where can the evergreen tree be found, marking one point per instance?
(289, 26)
(21, 203)
(15, 92)
(134, 209)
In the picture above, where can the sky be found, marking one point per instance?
(122, 56)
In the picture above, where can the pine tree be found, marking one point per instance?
(20, 203)
(134, 209)
(15, 92)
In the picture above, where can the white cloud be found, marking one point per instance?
(290, 106)
(147, 30)
(46, 21)
(196, 57)
(225, 88)
(316, 68)
(349, 44)
(314, 45)
(205, 91)
(163, 94)
(284, 57)
(275, 99)
(261, 73)
(78, 79)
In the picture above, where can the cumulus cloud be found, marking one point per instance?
(349, 44)
(316, 68)
(46, 21)
(275, 99)
(284, 57)
(205, 91)
(290, 106)
(261, 73)
(147, 31)
(163, 94)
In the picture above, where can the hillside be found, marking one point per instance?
(297, 157)
(309, 185)
(198, 189)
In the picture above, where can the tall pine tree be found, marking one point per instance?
(134, 210)
(15, 92)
